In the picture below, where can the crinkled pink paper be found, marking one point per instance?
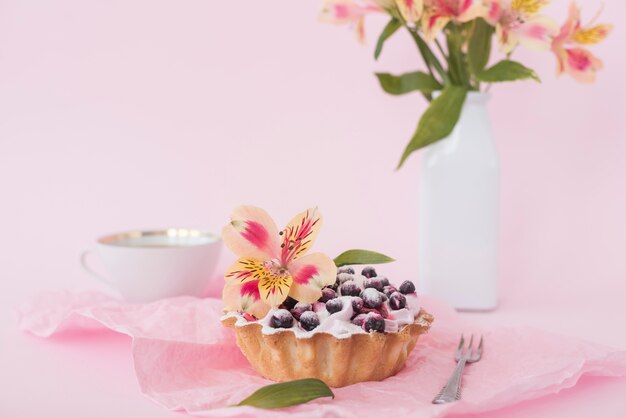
(185, 360)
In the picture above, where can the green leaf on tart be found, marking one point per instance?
(352, 257)
(507, 70)
(438, 120)
(479, 47)
(391, 28)
(281, 395)
(406, 83)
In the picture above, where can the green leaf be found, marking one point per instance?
(507, 70)
(405, 83)
(429, 57)
(391, 28)
(351, 257)
(281, 395)
(456, 62)
(479, 47)
(438, 120)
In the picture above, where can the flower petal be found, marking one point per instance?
(437, 14)
(569, 27)
(591, 35)
(582, 65)
(360, 30)
(273, 280)
(561, 57)
(528, 7)
(345, 11)
(247, 269)
(251, 233)
(432, 23)
(507, 40)
(494, 11)
(470, 10)
(244, 297)
(274, 289)
(411, 10)
(536, 33)
(300, 234)
(310, 274)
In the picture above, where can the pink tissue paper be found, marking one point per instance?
(186, 360)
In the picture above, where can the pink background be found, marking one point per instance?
(145, 114)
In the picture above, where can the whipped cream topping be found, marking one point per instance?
(338, 324)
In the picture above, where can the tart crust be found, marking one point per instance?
(337, 361)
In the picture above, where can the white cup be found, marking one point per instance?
(148, 265)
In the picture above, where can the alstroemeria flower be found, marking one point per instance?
(272, 263)
(576, 61)
(518, 22)
(411, 10)
(437, 14)
(349, 12)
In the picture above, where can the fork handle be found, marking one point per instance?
(452, 390)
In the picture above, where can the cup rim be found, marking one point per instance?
(110, 239)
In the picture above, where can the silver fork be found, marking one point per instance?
(452, 390)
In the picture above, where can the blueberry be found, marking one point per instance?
(327, 294)
(384, 279)
(359, 319)
(345, 269)
(383, 310)
(300, 308)
(372, 298)
(281, 319)
(407, 287)
(388, 290)
(334, 305)
(374, 282)
(350, 288)
(385, 297)
(319, 306)
(368, 272)
(343, 277)
(374, 323)
(289, 303)
(397, 301)
(357, 304)
(309, 320)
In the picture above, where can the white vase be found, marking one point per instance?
(459, 212)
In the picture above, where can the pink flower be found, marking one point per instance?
(437, 14)
(576, 61)
(272, 263)
(350, 12)
(518, 22)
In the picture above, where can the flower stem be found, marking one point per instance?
(443, 54)
(430, 59)
(457, 61)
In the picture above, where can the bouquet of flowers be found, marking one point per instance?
(454, 38)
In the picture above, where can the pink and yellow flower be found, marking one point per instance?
(349, 12)
(437, 14)
(518, 22)
(272, 263)
(578, 62)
